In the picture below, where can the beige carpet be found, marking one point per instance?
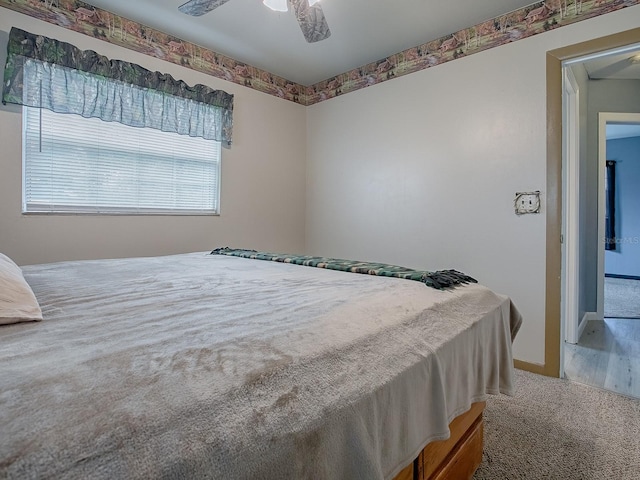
(621, 298)
(556, 429)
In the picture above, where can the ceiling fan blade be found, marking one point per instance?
(311, 19)
(200, 7)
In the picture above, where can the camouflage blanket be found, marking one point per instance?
(439, 279)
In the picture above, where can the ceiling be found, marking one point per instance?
(362, 31)
(616, 66)
(620, 64)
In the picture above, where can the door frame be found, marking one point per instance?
(571, 201)
(603, 119)
(553, 291)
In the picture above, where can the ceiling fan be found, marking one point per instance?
(308, 13)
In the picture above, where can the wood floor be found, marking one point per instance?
(607, 356)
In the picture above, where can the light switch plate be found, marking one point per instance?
(527, 202)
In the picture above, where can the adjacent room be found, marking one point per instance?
(319, 239)
(604, 352)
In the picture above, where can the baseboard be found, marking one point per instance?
(626, 277)
(542, 369)
(583, 323)
(531, 367)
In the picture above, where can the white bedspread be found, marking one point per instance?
(195, 366)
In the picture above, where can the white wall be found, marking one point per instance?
(422, 170)
(262, 189)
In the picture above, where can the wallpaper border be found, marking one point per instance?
(539, 17)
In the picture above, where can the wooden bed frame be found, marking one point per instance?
(456, 458)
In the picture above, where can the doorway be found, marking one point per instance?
(603, 352)
(554, 320)
(622, 216)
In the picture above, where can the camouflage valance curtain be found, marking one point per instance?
(46, 73)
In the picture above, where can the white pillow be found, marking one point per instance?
(17, 301)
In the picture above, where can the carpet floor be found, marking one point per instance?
(556, 429)
(621, 298)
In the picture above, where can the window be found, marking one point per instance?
(74, 164)
(108, 136)
(610, 206)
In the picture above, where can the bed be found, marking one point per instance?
(209, 366)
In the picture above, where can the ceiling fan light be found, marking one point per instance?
(277, 5)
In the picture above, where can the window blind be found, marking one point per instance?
(74, 164)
